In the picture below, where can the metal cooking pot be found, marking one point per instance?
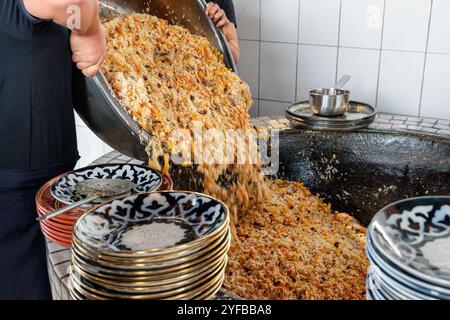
(94, 99)
(329, 102)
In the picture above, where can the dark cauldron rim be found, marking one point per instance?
(396, 132)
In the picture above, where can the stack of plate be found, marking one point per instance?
(358, 116)
(161, 245)
(60, 191)
(57, 229)
(408, 245)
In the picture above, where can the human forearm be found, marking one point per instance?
(82, 16)
(87, 39)
(235, 50)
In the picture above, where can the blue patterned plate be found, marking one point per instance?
(152, 222)
(414, 235)
(372, 289)
(146, 179)
(404, 282)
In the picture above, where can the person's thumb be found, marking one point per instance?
(91, 71)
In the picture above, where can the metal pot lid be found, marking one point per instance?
(414, 236)
(327, 123)
(357, 111)
(359, 116)
(327, 126)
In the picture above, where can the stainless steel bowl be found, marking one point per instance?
(95, 101)
(329, 101)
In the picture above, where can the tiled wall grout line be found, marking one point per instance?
(298, 53)
(380, 53)
(272, 100)
(425, 59)
(245, 39)
(394, 50)
(347, 47)
(338, 42)
(438, 53)
(259, 56)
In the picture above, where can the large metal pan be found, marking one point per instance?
(95, 101)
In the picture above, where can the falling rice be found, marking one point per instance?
(289, 244)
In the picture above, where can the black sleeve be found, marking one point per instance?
(15, 19)
(228, 7)
(25, 12)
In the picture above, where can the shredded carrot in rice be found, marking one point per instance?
(289, 244)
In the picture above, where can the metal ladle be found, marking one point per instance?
(94, 189)
(342, 81)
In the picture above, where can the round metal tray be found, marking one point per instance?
(359, 115)
(94, 99)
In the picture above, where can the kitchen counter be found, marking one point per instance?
(59, 257)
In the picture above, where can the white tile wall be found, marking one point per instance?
(78, 120)
(89, 146)
(316, 69)
(406, 24)
(436, 93)
(272, 108)
(254, 109)
(248, 16)
(279, 22)
(400, 82)
(439, 41)
(249, 65)
(362, 65)
(319, 21)
(369, 39)
(107, 148)
(278, 71)
(361, 23)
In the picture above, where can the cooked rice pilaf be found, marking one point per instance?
(291, 245)
(169, 79)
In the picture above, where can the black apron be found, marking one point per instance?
(37, 140)
(23, 271)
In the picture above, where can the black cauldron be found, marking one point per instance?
(358, 172)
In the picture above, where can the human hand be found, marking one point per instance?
(219, 17)
(88, 50)
(228, 28)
